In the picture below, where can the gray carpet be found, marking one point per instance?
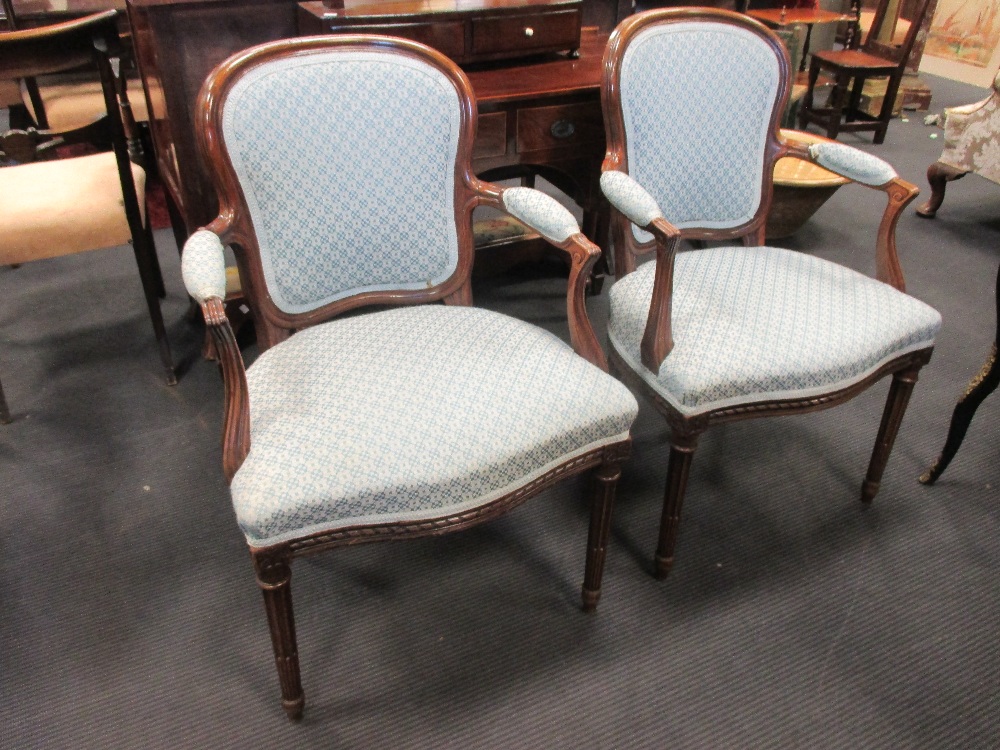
(794, 617)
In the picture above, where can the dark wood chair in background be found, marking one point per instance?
(716, 335)
(62, 206)
(343, 168)
(981, 386)
(849, 69)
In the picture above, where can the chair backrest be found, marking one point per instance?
(692, 100)
(345, 163)
(897, 53)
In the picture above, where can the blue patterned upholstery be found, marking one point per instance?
(541, 212)
(697, 99)
(413, 413)
(629, 197)
(327, 221)
(203, 266)
(757, 324)
(853, 163)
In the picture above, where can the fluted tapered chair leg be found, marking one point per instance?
(892, 417)
(605, 482)
(274, 575)
(681, 452)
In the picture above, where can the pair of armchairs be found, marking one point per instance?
(343, 170)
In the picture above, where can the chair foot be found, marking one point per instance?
(274, 576)
(938, 175)
(869, 490)
(892, 417)
(590, 599)
(605, 481)
(662, 566)
(682, 449)
(293, 708)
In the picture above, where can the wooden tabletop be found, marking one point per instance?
(790, 16)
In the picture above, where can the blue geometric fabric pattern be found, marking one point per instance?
(697, 100)
(203, 266)
(541, 212)
(763, 323)
(629, 197)
(329, 219)
(413, 413)
(853, 163)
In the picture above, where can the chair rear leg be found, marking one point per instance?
(682, 449)
(274, 576)
(4, 411)
(605, 481)
(892, 417)
(145, 253)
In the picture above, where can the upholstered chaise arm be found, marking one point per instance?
(203, 266)
(545, 215)
(865, 169)
(632, 200)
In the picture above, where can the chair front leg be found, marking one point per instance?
(682, 447)
(605, 481)
(892, 417)
(938, 175)
(274, 575)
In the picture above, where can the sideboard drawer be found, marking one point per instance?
(560, 126)
(523, 34)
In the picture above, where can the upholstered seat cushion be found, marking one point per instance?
(61, 207)
(757, 324)
(413, 413)
(75, 104)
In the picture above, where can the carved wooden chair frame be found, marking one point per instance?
(234, 228)
(657, 341)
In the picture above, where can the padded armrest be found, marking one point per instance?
(203, 266)
(629, 197)
(852, 163)
(541, 212)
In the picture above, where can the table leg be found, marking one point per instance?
(981, 386)
(805, 47)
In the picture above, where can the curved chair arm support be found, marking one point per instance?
(556, 224)
(203, 266)
(873, 172)
(657, 338)
(639, 207)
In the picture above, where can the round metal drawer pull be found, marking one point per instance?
(562, 129)
(528, 31)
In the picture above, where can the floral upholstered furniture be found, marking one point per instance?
(971, 144)
(737, 331)
(343, 169)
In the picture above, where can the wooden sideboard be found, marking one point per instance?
(467, 31)
(541, 115)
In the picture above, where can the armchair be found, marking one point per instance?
(343, 167)
(738, 331)
(970, 145)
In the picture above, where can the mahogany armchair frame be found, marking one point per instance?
(234, 227)
(657, 340)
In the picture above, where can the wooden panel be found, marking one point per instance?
(562, 126)
(559, 30)
(491, 137)
(445, 37)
